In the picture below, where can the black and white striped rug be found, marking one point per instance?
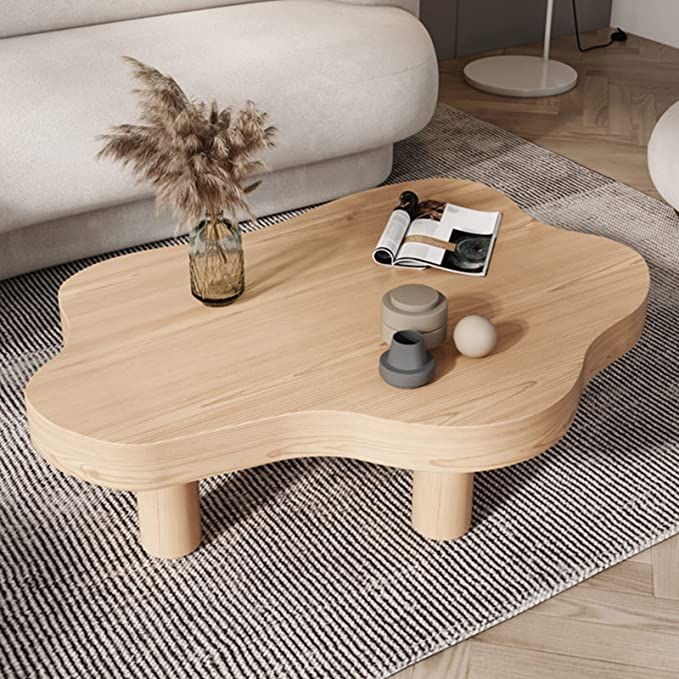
(309, 568)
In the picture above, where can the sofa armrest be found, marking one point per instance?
(412, 6)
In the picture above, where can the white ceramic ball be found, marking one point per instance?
(474, 336)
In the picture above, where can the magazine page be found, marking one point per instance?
(450, 237)
(387, 248)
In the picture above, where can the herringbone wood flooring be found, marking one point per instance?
(623, 623)
(605, 122)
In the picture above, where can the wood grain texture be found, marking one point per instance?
(442, 504)
(494, 661)
(665, 559)
(655, 650)
(169, 520)
(152, 389)
(604, 124)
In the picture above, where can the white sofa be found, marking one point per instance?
(663, 156)
(342, 81)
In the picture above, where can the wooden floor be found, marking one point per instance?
(623, 623)
(605, 122)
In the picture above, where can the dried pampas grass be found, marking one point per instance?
(196, 156)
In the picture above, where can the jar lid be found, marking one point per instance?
(414, 307)
(414, 298)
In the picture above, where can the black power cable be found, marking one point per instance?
(617, 36)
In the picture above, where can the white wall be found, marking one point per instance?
(654, 19)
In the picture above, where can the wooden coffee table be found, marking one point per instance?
(154, 391)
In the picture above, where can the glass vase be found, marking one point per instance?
(216, 262)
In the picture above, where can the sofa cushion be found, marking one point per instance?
(21, 17)
(336, 79)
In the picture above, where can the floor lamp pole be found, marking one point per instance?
(548, 30)
(513, 75)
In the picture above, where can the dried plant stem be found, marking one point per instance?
(196, 156)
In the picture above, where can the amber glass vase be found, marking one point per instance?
(216, 261)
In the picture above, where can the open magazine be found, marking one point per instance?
(436, 234)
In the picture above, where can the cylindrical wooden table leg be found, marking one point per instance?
(442, 504)
(169, 520)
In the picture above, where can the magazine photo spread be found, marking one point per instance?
(432, 233)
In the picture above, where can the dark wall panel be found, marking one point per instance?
(440, 17)
(460, 27)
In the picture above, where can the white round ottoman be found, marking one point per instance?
(663, 156)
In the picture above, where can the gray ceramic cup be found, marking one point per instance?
(407, 364)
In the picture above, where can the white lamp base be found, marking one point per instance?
(520, 76)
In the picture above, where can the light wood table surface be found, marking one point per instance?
(153, 391)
